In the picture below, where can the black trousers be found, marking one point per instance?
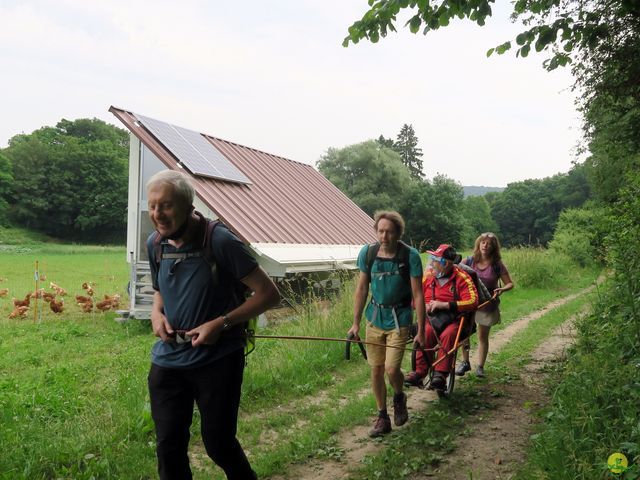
(215, 388)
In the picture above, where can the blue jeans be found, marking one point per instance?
(215, 388)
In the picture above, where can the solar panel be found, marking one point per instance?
(194, 151)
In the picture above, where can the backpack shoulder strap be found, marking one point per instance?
(402, 257)
(207, 243)
(372, 253)
(469, 260)
(157, 247)
(497, 269)
(207, 248)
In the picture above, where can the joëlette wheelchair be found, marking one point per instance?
(466, 328)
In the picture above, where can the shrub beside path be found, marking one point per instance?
(494, 445)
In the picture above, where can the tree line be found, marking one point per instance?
(382, 174)
(70, 182)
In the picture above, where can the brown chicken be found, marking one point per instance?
(22, 303)
(19, 312)
(57, 306)
(87, 307)
(109, 302)
(87, 286)
(82, 299)
(38, 293)
(48, 296)
(3, 292)
(58, 289)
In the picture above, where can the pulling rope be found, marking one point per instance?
(326, 339)
(350, 339)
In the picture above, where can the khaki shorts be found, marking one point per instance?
(389, 357)
(488, 319)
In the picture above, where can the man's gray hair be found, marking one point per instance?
(180, 182)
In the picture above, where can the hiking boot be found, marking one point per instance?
(480, 372)
(463, 368)
(382, 426)
(438, 381)
(412, 379)
(400, 413)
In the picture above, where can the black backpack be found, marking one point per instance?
(401, 258)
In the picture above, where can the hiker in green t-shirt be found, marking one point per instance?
(394, 271)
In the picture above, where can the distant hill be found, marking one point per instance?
(479, 191)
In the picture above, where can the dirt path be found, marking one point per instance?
(493, 447)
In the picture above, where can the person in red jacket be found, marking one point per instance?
(449, 293)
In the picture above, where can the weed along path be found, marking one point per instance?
(490, 444)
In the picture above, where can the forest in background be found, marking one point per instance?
(70, 182)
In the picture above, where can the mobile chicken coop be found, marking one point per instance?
(291, 217)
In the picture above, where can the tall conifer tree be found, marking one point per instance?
(407, 146)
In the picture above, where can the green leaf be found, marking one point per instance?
(414, 24)
(489, 52)
(500, 49)
(443, 20)
(519, 7)
(521, 39)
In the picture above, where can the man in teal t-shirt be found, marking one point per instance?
(395, 276)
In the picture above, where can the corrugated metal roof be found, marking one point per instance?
(287, 201)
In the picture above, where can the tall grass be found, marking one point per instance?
(532, 267)
(595, 409)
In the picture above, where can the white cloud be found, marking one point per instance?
(274, 76)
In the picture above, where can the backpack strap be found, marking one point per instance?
(207, 248)
(206, 253)
(401, 258)
(497, 270)
(239, 290)
(372, 253)
(495, 266)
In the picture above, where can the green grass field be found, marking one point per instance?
(73, 395)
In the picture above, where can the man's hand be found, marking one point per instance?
(419, 339)
(437, 305)
(206, 334)
(161, 326)
(354, 332)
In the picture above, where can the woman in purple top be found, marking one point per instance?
(487, 262)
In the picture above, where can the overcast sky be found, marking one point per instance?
(274, 76)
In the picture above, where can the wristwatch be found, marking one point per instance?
(226, 325)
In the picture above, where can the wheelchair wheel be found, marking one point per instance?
(451, 379)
